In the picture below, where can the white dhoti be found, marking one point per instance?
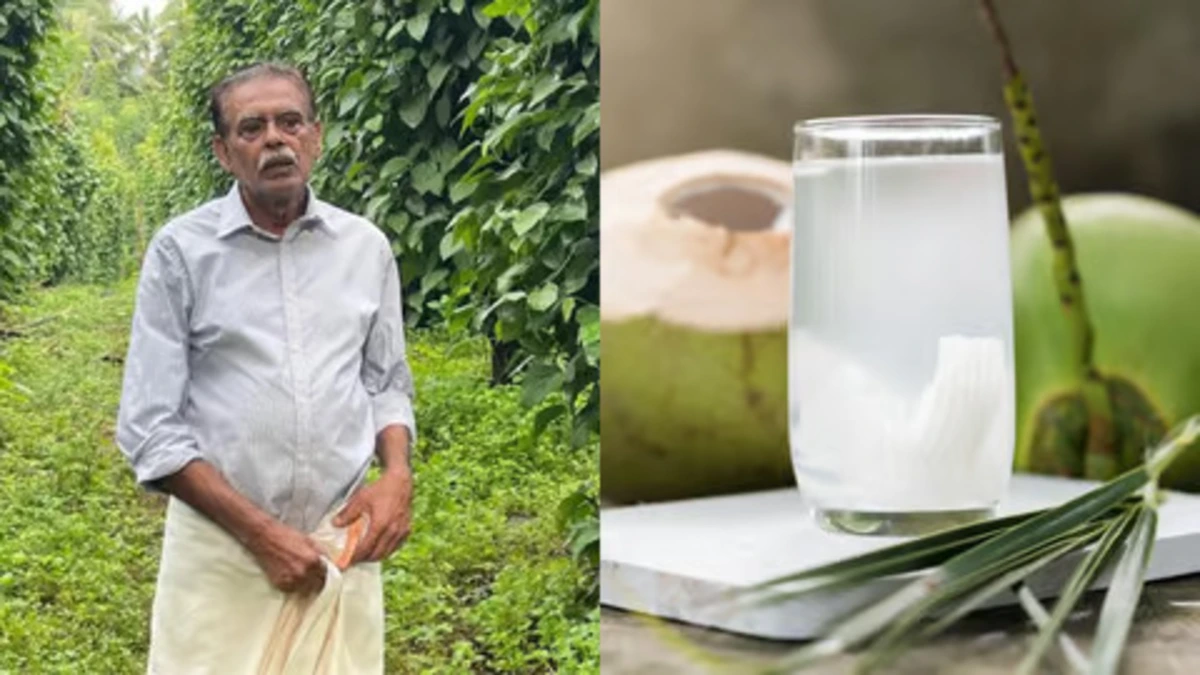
(216, 613)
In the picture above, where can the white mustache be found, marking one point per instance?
(282, 157)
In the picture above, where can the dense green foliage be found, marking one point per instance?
(483, 584)
(71, 209)
(60, 194)
(23, 27)
(467, 130)
(530, 272)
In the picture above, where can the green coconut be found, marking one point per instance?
(694, 286)
(1139, 261)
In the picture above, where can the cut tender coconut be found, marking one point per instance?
(695, 279)
(700, 240)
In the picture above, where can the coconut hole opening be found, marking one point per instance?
(738, 207)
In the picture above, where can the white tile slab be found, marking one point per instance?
(674, 559)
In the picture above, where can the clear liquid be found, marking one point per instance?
(901, 388)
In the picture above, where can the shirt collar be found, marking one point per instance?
(234, 217)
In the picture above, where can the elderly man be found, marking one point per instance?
(266, 370)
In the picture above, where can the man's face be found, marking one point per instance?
(270, 144)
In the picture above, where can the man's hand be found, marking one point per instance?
(388, 503)
(291, 560)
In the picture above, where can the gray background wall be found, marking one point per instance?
(1116, 82)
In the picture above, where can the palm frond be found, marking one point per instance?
(1085, 574)
(1033, 607)
(957, 571)
(1120, 602)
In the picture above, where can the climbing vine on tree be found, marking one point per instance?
(23, 27)
(69, 118)
(529, 201)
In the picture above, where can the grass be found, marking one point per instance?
(483, 584)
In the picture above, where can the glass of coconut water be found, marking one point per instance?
(900, 363)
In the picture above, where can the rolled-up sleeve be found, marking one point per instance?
(151, 431)
(385, 371)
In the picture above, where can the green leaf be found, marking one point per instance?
(450, 245)
(576, 23)
(540, 380)
(1176, 441)
(497, 136)
(582, 429)
(1085, 574)
(545, 137)
(589, 124)
(413, 110)
(510, 171)
(499, 8)
(395, 30)
(437, 74)
(374, 124)
(586, 536)
(589, 332)
(472, 111)
(1050, 522)
(461, 190)
(1025, 567)
(442, 111)
(1040, 616)
(569, 211)
(547, 416)
(481, 19)
(394, 167)
(349, 101)
(333, 136)
(418, 25)
(456, 6)
(547, 84)
(427, 178)
(511, 296)
(568, 306)
(947, 580)
(1121, 599)
(433, 278)
(505, 280)
(544, 297)
(1110, 513)
(884, 648)
(377, 206)
(415, 205)
(397, 222)
(587, 165)
(530, 217)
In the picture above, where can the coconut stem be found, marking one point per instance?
(1100, 460)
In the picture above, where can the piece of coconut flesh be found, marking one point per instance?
(859, 445)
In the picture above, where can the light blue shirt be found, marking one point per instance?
(276, 359)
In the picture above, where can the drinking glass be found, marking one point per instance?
(900, 360)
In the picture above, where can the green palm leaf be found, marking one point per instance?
(1116, 614)
(1041, 617)
(958, 570)
(1085, 574)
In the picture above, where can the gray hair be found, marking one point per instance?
(216, 95)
